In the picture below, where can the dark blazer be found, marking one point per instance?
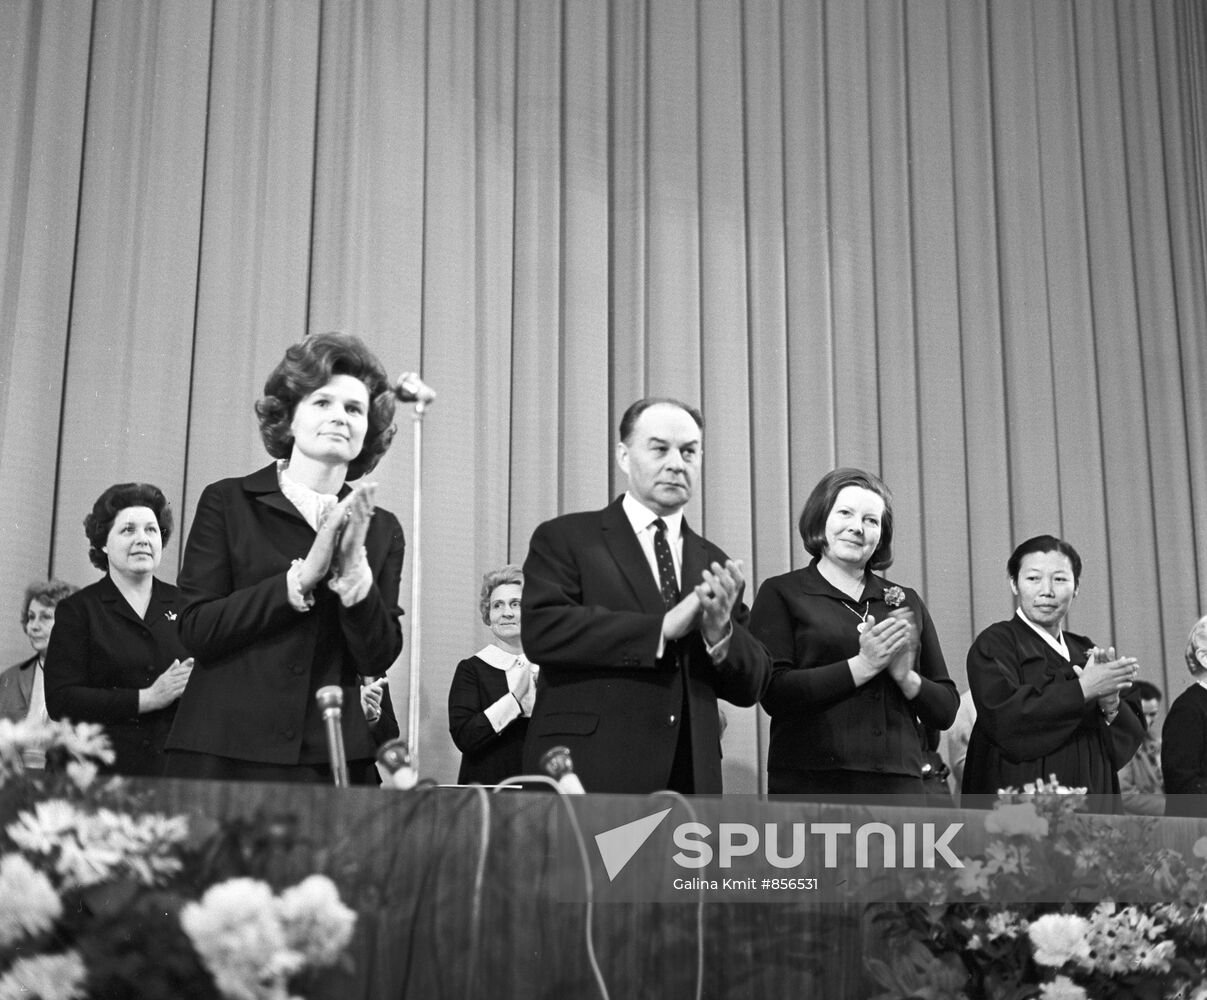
(101, 653)
(592, 618)
(1184, 753)
(487, 757)
(16, 688)
(259, 661)
(1033, 721)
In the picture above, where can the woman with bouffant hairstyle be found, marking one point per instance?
(291, 576)
(114, 656)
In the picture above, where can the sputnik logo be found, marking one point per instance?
(618, 845)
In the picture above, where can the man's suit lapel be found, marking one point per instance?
(630, 559)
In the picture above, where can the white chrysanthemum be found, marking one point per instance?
(28, 902)
(85, 741)
(1004, 923)
(41, 830)
(317, 924)
(1058, 938)
(1061, 988)
(1017, 819)
(45, 977)
(235, 929)
(973, 878)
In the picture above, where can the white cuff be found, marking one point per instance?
(503, 712)
(721, 649)
(293, 585)
(355, 582)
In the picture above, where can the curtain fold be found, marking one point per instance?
(959, 243)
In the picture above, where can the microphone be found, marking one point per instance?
(410, 388)
(556, 763)
(394, 756)
(331, 700)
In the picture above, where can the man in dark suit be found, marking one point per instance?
(638, 625)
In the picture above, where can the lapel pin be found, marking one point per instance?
(170, 615)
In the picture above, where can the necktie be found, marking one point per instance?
(666, 565)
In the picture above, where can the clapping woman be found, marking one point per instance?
(856, 663)
(491, 697)
(1047, 701)
(115, 656)
(291, 576)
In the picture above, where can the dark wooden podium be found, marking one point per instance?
(463, 893)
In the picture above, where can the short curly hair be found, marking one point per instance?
(47, 593)
(511, 573)
(308, 366)
(112, 502)
(821, 501)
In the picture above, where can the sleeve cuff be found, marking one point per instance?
(293, 583)
(503, 712)
(354, 584)
(721, 649)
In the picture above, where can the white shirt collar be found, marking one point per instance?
(1201, 680)
(1057, 644)
(498, 657)
(641, 517)
(309, 503)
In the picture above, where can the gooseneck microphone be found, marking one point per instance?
(330, 700)
(410, 388)
(395, 759)
(556, 763)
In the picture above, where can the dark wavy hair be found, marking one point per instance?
(45, 592)
(511, 573)
(111, 503)
(1043, 543)
(310, 365)
(629, 420)
(821, 501)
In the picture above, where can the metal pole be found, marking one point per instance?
(414, 661)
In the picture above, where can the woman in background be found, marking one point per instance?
(856, 663)
(290, 578)
(115, 656)
(23, 685)
(1047, 701)
(1184, 735)
(491, 698)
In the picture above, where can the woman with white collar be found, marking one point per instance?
(491, 698)
(1048, 701)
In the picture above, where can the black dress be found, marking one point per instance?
(1033, 720)
(487, 756)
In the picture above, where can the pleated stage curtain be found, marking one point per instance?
(960, 243)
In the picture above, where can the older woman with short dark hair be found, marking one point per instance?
(856, 662)
(291, 576)
(115, 656)
(1047, 701)
(1184, 735)
(491, 697)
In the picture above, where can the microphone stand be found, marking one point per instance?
(413, 661)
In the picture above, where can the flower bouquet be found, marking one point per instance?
(102, 898)
(1060, 906)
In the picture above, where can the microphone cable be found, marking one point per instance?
(691, 812)
(588, 883)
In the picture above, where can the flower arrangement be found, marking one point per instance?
(102, 898)
(1060, 907)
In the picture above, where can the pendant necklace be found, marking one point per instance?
(863, 618)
